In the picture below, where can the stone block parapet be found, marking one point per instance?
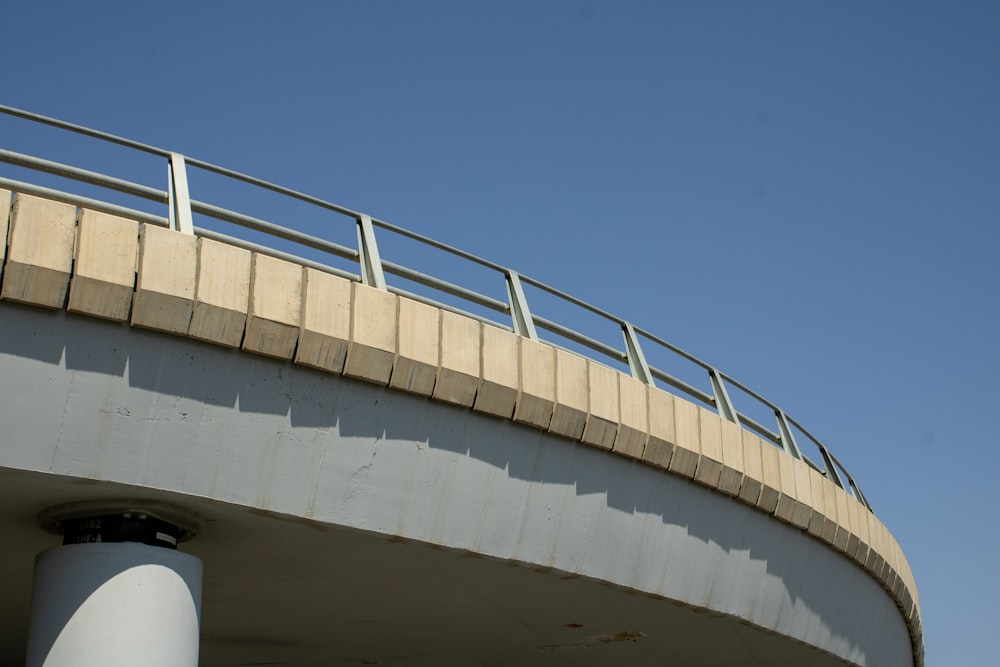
(99, 265)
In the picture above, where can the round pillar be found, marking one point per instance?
(117, 592)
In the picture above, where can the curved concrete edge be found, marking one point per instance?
(105, 266)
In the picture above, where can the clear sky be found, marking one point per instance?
(804, 194)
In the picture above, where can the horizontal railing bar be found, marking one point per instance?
(83, 175)
(572, 299)
(265, 250)
(279, 189)
(437, 244)
(758, 428)
(79, 129)
(438, 304)
(586, 341)
(677, 383)
(316, 201)
(82, 202)
(275, 230)
(445, 286)
(673, 348)
(749, 392)
(805, 432)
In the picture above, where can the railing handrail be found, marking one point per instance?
(371, 271)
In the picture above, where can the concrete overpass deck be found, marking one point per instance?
(385, 482)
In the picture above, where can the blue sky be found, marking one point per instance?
(804, 194)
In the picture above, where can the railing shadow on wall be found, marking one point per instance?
(492, 293)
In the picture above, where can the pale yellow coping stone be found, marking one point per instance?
(104, 264)
(537, 393)
(876, 559)
(4, 224)
(770, 463)
(569, 416)
(752, 484)
(275, 307)
(497, 394)
(788, 509)
(818, 517)
(662, 432)
(602, 417)
(372, 348)
(859, 527)
(733, 467)
(418, 348)
(842, 539)
(222, 293)
(710, 442)
(325, 321)
(165, 282)
(831, 509)
(687, 449)
(40, 251)
(633, 415)
(460, 367)
(803, 494)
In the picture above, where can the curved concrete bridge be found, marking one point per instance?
(382, 482)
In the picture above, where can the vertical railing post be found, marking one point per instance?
(524, 325)
(831, 469)
(722, 401)
(178, 197)
(857, 493)
(636, 359)
(787, 439)
(368, 257)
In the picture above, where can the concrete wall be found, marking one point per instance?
(232, 297)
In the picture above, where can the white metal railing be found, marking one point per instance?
(516, 315)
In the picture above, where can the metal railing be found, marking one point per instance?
(516, 315)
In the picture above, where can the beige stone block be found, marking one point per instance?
(860, 525)
(751, 485)
(770, 492)
(880, 541)
(500, 378)
(222, 293)
(40, 251)
(633, 413)
(4, 225)
(829, 490)
(853, 534)
(710, 440)
(461, 356)
(818, 516)
(789, 508)
(107, 250)
(662, 434)
(325, 322)
(874, 561)
(372, 348)
(803, 494)
(731, 477)
(418, 349)
(842, 538)
(602, 406)
(275, 307)
(165, 283)
(537, 394)
(684, 462)
(569, 415)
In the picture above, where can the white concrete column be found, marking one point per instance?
(117, 593)
(112, 604)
